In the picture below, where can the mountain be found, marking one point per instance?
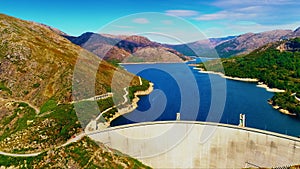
(126, 48)
(248, 42)
(233, 45)
(37, 78)
(37, 64)
(204, 48)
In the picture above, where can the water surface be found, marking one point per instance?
(180, 88)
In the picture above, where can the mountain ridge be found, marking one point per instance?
(200, 48)
(234, 45)
(126, 48)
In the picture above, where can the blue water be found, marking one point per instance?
(203, 97)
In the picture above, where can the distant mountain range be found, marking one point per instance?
(248, 42)
(205, 48)
(126, 48)
(233, 45)
(135, 48)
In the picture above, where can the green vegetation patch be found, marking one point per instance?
(34, 131)
(36, 85)
(48, 106)
(105, 103)
(4, 88)
(87, 110)
(143, 87)
(23, 113)
(66, 120)
(114, 62)
(110, 114)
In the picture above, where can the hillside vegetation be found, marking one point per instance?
(37, 113)
(276, 65)
(82, 154)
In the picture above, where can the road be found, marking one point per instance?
(37, 110)
(72, 140)
(125, 96)
(20, 155)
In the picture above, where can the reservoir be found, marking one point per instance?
(179, 88)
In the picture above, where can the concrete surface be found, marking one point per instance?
(187, 144)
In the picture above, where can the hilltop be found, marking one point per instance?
(246, 43)
(126, 48)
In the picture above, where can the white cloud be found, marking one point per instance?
(141, 20)
(245, 27)
(265, 12)
(225, 15)
(255, 28)
(182, 13)
(239, 3)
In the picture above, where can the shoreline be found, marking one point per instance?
(274, 90)
(131, 107)
(94, 125)
(260, 84)
(137, 63)
(226, 77)
(286, 112)
(281, 110)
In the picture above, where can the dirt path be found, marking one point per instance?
(37, 110)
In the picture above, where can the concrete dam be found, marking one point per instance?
(189, 144)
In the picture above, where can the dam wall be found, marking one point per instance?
(188, 144)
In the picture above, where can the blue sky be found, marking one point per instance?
(215, 18)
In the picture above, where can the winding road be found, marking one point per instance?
(78, 136)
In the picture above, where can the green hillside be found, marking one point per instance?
(276, 65)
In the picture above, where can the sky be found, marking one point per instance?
(183, 20)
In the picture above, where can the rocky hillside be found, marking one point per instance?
(37, 64)
(248, 42)
(233, 45)
(37, 114)
(126, 48)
